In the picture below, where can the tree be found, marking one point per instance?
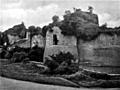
(19, 30)
(22, 34)
(90, 8)
(55, 18)
(104, 26)
(44, 30)
(39, 30)
(5, 39)
(33, 31)
(81, 26)
(1, 38)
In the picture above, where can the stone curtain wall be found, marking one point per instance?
(108, 56)
(104, 51)
(107, 40)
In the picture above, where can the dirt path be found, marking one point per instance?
(11, 84)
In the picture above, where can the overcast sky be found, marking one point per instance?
(39, 12)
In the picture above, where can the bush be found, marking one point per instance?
(9, 53)
(62, 68)
(18, 57)
(61, 57)
(26, 60)
(20, 49)
(51, 64)
(61, 63)
(3, 53)
(36, 54)
(97, 75)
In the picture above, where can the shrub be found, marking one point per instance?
(10, 52)
(51, 64)
(73, 68)
(59, 58)
(36, 54)
(62, 68)
(7, 55)
(18, 57)
(3, 53)
(20, 49)
(61, 63)
(26, 60)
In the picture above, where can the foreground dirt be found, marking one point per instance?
(11, 84)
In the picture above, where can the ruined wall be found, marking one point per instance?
(39, 40)
(62, 40)
(107, 40)
(13, 38)
(65, 44)
(108, 55)
(23, 43)
(105, 50)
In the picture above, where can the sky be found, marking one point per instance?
(40, 12)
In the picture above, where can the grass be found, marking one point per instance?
(29, 72)
(86, 79)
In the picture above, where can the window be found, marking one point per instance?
(55, 40)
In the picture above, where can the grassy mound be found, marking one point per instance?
(30, 72)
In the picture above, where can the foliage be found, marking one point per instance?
(19, 30)
(3, 53)
(55, 22)
(59, 58)
(80, 24)
(51, 64)
(36, 54)
(5, 39)
(61, 63)
(104, 26)
(18, 57)
(33, 30)
(9, 53)
(22, 34)
(25, 60)
(1, 38)
(55, 18)
(62, 68)
(44, 30)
